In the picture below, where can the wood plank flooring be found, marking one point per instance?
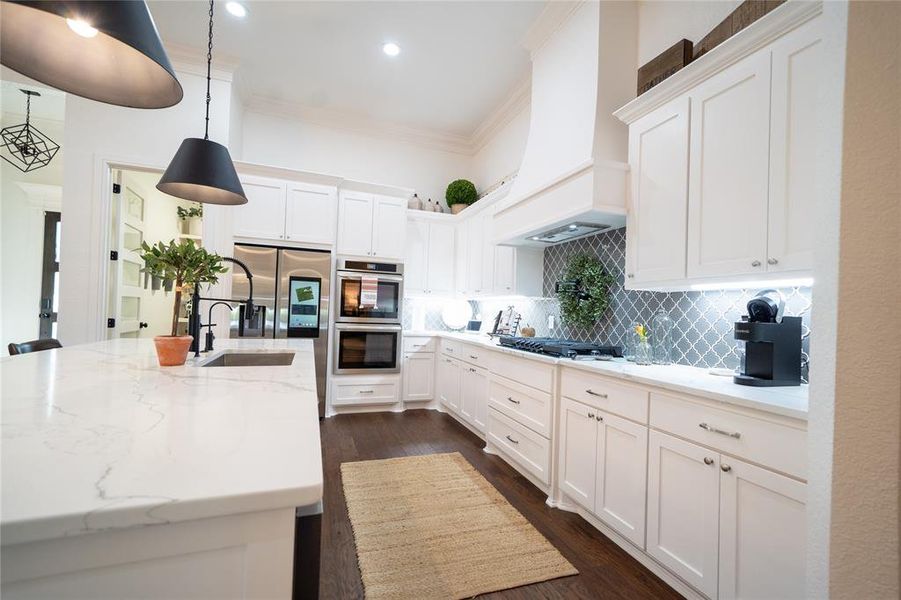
(605, 570)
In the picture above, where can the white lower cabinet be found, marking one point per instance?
(419, 376)
(350, 390)
(762, 533)
(603, 461)
(728, 528)
(474, 397)
(448, 375)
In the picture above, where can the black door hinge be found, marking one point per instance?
(117, 189)
(114, 255)
(110, 323)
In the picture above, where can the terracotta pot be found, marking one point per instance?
(457, 208)
(172, 351)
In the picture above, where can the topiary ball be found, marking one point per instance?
(461, 191)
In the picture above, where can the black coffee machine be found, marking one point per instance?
(772, 343)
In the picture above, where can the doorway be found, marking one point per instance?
(138, 305)
(50, 276)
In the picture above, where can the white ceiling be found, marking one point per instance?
(460, 60)
(51, 104)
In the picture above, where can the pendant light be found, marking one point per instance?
(202, 170)
(107, 50)
(27, 148)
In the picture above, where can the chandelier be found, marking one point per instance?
(24, 146)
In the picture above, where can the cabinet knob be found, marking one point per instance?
(590, 415)
(755, 263)
(708, 460)
(599, 418)
(772, 261)
(725, 468)
(630, 275)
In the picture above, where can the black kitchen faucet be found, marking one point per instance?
(194, 325)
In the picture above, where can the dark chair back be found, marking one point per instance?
(33, 346)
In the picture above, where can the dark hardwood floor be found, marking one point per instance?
(605, 570)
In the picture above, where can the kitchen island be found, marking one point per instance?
(121, 478)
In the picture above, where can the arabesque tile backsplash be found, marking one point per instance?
(702, 336)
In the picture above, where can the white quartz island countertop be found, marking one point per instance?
(791, 401)
(99, 437)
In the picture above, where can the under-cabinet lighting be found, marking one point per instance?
(748, 285)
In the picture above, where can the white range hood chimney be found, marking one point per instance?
(584, 61)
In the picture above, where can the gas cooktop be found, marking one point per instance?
(562, 348)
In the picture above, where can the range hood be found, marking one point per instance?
(574, 169)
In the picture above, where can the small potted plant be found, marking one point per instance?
(185, 265)
(190, 218)
(460, 194)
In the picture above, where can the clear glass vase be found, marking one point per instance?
(662, 339)
(643, 352)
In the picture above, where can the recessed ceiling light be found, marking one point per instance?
(390, 48)
(236, 8)
(81, 28)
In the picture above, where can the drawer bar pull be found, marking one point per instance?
(731, 434)
(599, 395)
(365, 391)
(473, 357)
(512, 400)
(512, 440)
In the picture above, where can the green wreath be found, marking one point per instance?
(585, 305)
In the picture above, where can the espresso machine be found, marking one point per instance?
(772, 341)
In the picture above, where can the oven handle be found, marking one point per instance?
(367, 327)
(359, 274)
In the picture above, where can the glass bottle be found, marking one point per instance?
(662, 338)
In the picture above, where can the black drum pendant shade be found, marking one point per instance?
(202, 171)
(109, 51)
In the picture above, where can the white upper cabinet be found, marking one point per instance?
(372, 225)
(793, 148)
(475, 250)
(264, 214)
(728, 167)
(504, 269)
(656, 228)
(311, 213)
(429, 257)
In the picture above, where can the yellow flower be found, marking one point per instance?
(642, 331)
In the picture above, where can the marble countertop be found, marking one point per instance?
(98, 437)
(786, 401)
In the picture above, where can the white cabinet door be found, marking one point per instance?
(504, 269)
(355, 223)
(461, 258)
(793, 148)
(487, 252)
(419, 376)
(475, 249)
(416, 257)
(728, 170)
(449, 375)
(474, 397)
(762, 533)
(264, 214)
(658, 211)
(389, 227)
(311, 213)
(683, 509)
(440, 259)
(621, 481)
(578, 451)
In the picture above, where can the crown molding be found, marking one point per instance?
(192, 60)
(356, 123)
(500, 117)
(552, 17)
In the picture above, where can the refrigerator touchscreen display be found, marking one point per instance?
(303, 306)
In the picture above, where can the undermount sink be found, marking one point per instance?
(251, 359)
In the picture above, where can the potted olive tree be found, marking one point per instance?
(460, 194)
(190, 219)
(185, 265)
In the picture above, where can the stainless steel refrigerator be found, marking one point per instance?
(292, 286)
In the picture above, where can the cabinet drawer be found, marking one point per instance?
(528, 406)
(475, 355)
(365, 393)
(524, 370)
(531, 451)
(451, 348)
(415, 343)
(602, 392)
(774, 445)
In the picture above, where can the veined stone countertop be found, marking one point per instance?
(786, 401)
(98, 437)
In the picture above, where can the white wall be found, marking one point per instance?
(662, 23)
(22, 236)
(96, 132)
(502, 153)
(279, 141)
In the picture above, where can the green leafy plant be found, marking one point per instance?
(584, 304)
(189, 213)
(461, 191)
(183, 263)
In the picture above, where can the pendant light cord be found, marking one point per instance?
(209, 63)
